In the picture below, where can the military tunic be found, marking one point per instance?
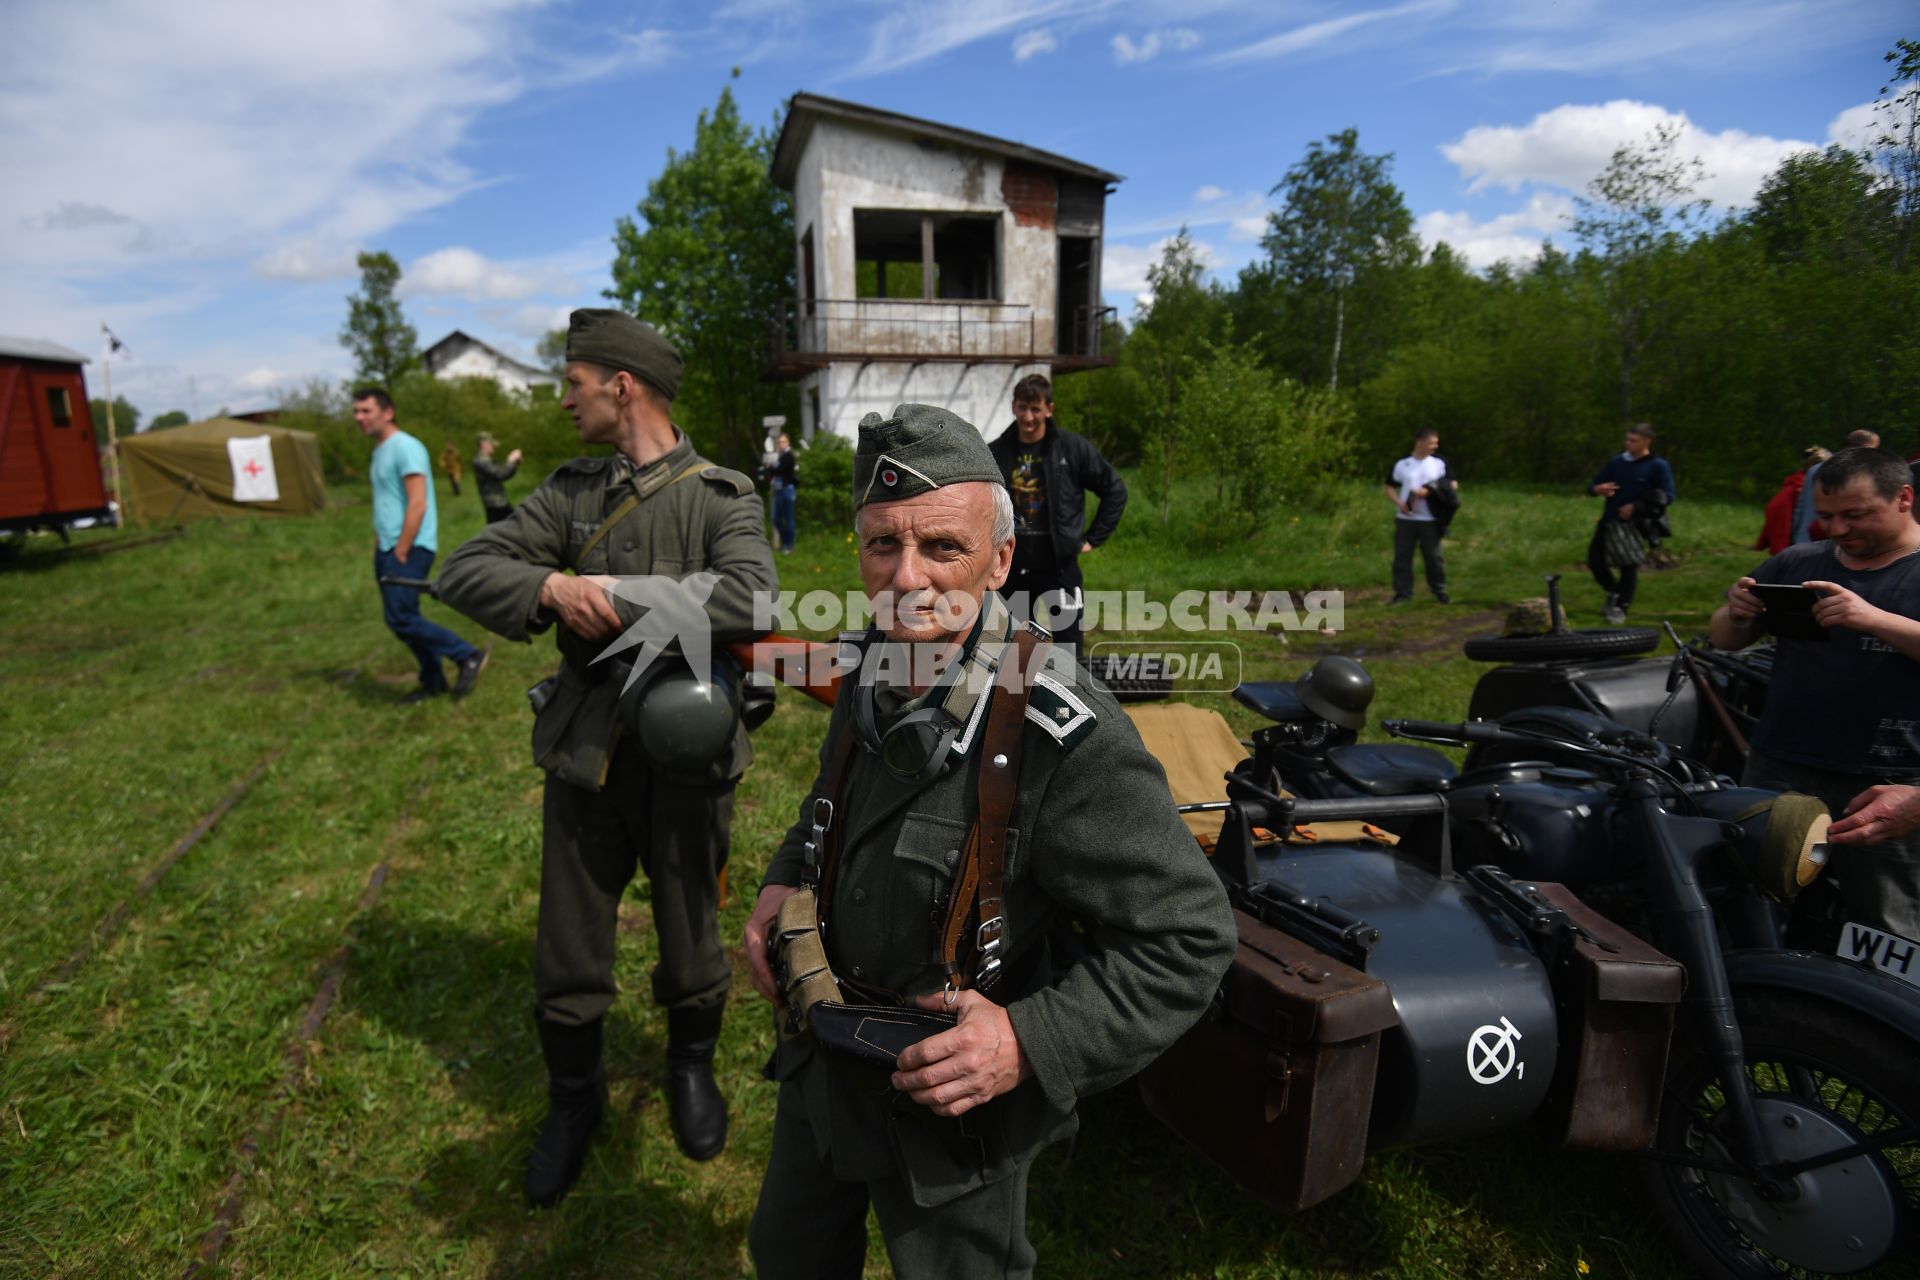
(606, 808)
(1093, 836)
(490, 478)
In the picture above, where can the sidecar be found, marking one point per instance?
(1384, 996)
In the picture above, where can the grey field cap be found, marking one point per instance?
(922, 447)
(604, 336)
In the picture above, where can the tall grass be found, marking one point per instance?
(138, 686)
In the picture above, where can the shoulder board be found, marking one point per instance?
(728, 479)
(1058, 709)
(583, 466)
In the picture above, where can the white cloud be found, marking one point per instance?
(1568, 146)
(1125, 50)
(914, 33)
(230, 129)
(1859, 128)
(462, 273)
(1510, 237)
(1704, 35)
(260, 379)
(1244, 215)
(307, 260)
(1123, 267)
(1031, 44)
(534, 322)
(1314, 34)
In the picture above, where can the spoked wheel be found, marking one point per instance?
(1824, 1079)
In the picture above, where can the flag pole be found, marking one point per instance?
(113, 440)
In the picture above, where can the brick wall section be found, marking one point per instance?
(1031, 194)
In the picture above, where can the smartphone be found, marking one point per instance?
(1790, 610)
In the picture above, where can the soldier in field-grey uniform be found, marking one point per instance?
(1090, 832)
(653, 508)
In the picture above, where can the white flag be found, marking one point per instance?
(253, 478)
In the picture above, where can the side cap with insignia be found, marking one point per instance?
(920, 448)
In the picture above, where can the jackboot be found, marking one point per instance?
(694, 1102)
(576, 1097)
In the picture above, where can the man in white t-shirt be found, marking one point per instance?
(1408, 485)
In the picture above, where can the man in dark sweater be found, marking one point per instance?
(1049, 470)
(1842, 720)
(1627, 482)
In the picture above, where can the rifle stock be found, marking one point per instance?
(801, 664)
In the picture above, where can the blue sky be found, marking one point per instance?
(199, 175)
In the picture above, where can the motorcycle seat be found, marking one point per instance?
(1391, 768)
(1274, 699)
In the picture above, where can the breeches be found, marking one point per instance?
(811, 1226)
(592, 842)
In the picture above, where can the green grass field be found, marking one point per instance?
(141, 686)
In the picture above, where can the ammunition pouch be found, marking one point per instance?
(799, 959)
(868, 1035)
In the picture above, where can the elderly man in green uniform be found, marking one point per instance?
(954, 737)
(565, 556)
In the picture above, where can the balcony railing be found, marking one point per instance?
(805, 336)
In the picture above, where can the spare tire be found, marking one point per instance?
(1596, 642)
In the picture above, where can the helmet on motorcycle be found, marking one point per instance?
(683, 723)
(1338, 690)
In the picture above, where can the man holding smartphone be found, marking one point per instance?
(1843, 707)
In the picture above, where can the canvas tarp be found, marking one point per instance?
(184, 473)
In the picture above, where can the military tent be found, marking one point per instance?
(222, 467)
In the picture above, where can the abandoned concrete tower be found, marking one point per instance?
(935, 264)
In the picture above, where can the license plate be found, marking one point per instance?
(1888, 952)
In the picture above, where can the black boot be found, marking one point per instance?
(576, 1096)
(693, 1100)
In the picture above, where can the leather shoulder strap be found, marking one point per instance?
(838, 766)
(621, 512)
(979, 888)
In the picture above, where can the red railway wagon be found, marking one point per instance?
(49, 465)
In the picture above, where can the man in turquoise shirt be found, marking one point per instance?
(405, 538)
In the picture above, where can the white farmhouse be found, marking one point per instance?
(936, 265)
(460, 355)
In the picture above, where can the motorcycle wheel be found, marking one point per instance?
(1594, 642)
(1823, 1077)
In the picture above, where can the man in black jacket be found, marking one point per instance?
(1049, 470)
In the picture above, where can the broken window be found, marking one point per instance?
(924, 256)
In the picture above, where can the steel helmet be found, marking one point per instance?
(1338, 690)
(683, 723)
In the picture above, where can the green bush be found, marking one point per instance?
(825, 498)
(439, 412)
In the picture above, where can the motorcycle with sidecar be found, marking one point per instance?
(1579, 928)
